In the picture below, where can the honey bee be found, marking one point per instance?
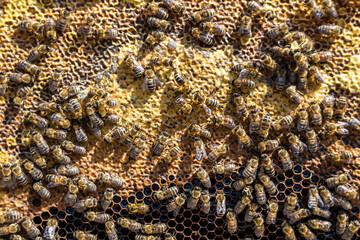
(80, 133)
(315, 9)
(314, 200)
(194, 198)
(7, 177)
(131, 135)
(349, 193)
(330, 30)
(55, 80)
(280, 81)
(49, 30)
(220, 204)
(297, 145)
(206, 38)
(251, 212)
(268, 145)
(319, 225)
(217, 151)
(37, 120)
(50, 229)
(166, 193)
(251, 168)
(314, 72)
(10, 217)
(226, 168)
(156, 228)
(203, 15)
(137, 148)
(135, 67)
(20, 78)
(205, 201)
(3, 83)
(184, 107)
(305, 232)
(107, 198)
(338, 128)
(115, 134)
(60, 120)
(165, 61)
(21, 94)
(241, 107)
(176, 204)
(298, 215)
(313, 145)
(86, 185)
(38, 52)
(105, 34)
(110, 180)
(259, 228)
(341, 223)
(302, 83)
(282, 51)
(340, 107)
(245, 28)
(323, 56)
(244, 82)
(71, 195)
(303, 122)
(71, 147)
(198, 131)
(216, 29)
(55, 134)
(153, 9)
(351, 230)
(327, 197)
(63, 20)
(81, 235)
(260, 193)
(307, 46)
(255, 121)
(347, 157)
(231, 221)
(329, 7)
(200, 149)
(20, 176)
(354, 123)
(31, 230)
(31, 26)
(87, 24)
(285, 159)
(294, 94)
(28, 67)
(48, 107)
(283, 122)
(151, 82)
(97, 217)
(272, 212)
(56, 180)
(110, 230)
(68, 170)
(268, 184)
(174, 5)
(158, 23)
(140, 208)
(204, 177)
(290, 204)
(321, 212)
(226, 121)
(242, 203)
(113, 119)
(60, 155)
(84, 204)
(288, 231)
(36, 157)
(155, 37)
(278, 31)
(243, 139)
(9, 229)
(328, 104)
(41, 190)
(74, 106)
(32, 170)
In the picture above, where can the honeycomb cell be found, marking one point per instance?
(70, 210)
(45, 215)
(211, 235)
(281, 187)
(179, 227)
(211, 227)
(297, 188)
(195, 218)
(219, 231)
(53, 211)
(70, 227)
(314, 179)
(280, 177)
(139, 196)
(219, 222)
(306, 174)
(179, 219)
(297, 169)
(187, 187)
(147, 192)
(289, 183)
(70, 219)
(155, 187)
(62, 224)
(37, 220)
(36, 202)
(297, 178)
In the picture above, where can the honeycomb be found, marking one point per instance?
(81, 60)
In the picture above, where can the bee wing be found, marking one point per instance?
(199, 154)
(145, 83)
(176, 211)
(158, 83)
(342, 124)
(243, 74)
(207, 109)
(295, 149)
(329, 100)
(204, 153)
(52, 185)
(240, 145)
(303, 145)
(342, 131)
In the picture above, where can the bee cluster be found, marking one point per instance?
(244, 202)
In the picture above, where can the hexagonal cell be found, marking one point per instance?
(211, 235)
(45, 215)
